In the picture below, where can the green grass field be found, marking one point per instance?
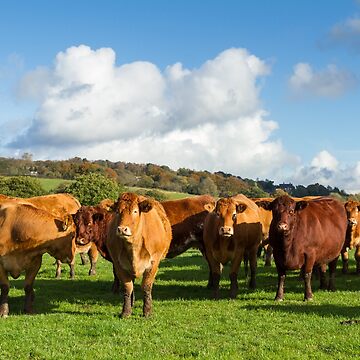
(51, 184)
(77, 319)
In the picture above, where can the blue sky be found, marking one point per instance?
(261, 89)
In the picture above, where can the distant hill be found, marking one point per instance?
(153, 176)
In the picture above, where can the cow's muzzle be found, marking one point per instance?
(283, 227)
(352, 222)
(124, 231)
(226, 231)
(81, 241)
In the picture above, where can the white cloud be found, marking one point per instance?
(346, 33)
(326, 170)
(330, 82)
(204, 118)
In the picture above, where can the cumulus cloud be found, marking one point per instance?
(330, 82)
(346, 33)
(209, 117)
(325, 169)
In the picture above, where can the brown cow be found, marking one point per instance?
(352, 235)
(26, 233)
(60, 206)
(139, 237)
(304, 234)
(232, 231)
(92, 224)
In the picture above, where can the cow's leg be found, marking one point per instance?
(332, 270)
(357, 258)
(115, 288)
(308, 267)
(93, 256)
(30, 274)
(323, 282)
(345, 261)
(127, 281)
(280, 288)
(234, 271)
(83, 258)
(268, 255)
(253, 265)
(146, 285)
(210, 283)
(4, 297)
(215, 270)
(58, 269)
(72, 268)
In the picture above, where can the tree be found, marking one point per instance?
(92, 188)
(207, 186)
(21, 186)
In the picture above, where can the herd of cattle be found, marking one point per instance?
(136, 232)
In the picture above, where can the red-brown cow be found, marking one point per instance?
(231, 231)
(139, 237)
(304, 234)
(26, 233)
(352, 235)
(92, 225)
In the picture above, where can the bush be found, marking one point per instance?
(21, 186)
(92, 188)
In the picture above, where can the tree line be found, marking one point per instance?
(154, 177)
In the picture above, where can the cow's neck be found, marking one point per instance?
(291, 247)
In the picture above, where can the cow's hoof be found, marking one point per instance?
(279, 299)
(308, 299)
(92, 272)
(125, 314)
(4, 311)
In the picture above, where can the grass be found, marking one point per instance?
(51, 184)
(77, 319)
(170, 195)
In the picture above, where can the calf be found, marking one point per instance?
(304, 234)
(231, 231)
(139, 237)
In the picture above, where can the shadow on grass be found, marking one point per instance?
(323, 310)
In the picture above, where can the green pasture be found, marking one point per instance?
(77, 319)
(50, 185)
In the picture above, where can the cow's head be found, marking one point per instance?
(352, 211)
(284, 211)
(86, 219)
(130, 208)
(64, 247)
(226, 211)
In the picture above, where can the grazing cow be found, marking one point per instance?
(60, 206)
(304, 234)
(352, 235)
(232, 231)
(139, 237)
(26, 233)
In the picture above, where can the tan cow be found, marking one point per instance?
(26, 233)
(232, 231)
(60, 206)
(139, 237)
(352, 235)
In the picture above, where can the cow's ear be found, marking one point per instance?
(97, 217)
(265, 204)
(240, 208)
(145, 206)
(301, 205)
(209, 207)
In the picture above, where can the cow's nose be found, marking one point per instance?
(352, 222)
(81, 241)
(124, 230)
(283, 227)
(226, 230)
